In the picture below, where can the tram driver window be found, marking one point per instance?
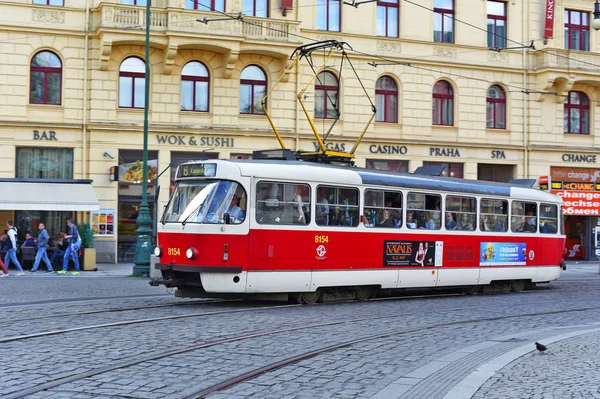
(282, 203)
(493, 215)
(461, 213)
(383, 208)
(336, 206)
(548, 218)
(523, 217)
(425, 210)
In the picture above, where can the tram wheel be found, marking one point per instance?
(518, 285)
(473, 289)
(310, 298)
(363, 293)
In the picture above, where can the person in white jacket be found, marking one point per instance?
(11, 247)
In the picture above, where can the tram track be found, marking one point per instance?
(135, 360)
(54, 302)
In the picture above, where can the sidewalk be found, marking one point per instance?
(103, 270)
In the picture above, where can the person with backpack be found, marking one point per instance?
(42, 246)
(11, 247)
(73, 248)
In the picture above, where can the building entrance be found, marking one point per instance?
(575, 247)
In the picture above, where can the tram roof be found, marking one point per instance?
(359, 175)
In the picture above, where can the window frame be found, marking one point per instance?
(547, 218)
(495, 102)
(584, 109)
(443, 12)
(133, 76)
(387, 93)
(47, 3)
(327, 19)
(371, 211)
(460, 211)
(482, 214)
(441, 99)
(419, 212)
(325, 89)
(198, 6)
(526, 208)
(580, 28)
(495, 18)
(253, 83)
(46, 71)
(280, 200)
(253, 13)
(354, 208)
(135, 3)
(195, 79)
(386, 5)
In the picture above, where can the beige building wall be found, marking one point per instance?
(90, 121)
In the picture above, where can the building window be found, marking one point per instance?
(328, 14)
(46, 78)
(496, 108)
(326, 96)
(577, 30)
(450, 169)
(206, 5)
(135, 2)
(496, 22)
(577, 113)
(387, 18)
(392, 166)
(443, 104)
(443, 21)
(256, 8)
(386, 100)
(194, 87)
(494, 172)
(49, 2)
(44, 163)
(253, 87)
(132, 83)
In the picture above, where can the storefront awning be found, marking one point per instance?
(47, 195)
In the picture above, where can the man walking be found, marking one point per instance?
(73, 248)
(11, 247)
(42, 245)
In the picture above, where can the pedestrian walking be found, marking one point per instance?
(11, 247)
(73, 248)
(42, 247)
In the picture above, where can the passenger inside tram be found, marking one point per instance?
(465, 223)
(411, 222)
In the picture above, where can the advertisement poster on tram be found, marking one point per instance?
(412, 253)
(503, 253)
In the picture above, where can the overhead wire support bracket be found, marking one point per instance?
(499, 49)
(355, 3)
(528, 92)
(238, 17)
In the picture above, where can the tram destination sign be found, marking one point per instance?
(197, 170)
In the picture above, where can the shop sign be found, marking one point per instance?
(340, 147)
(549, 19)
(579, 188)
(498, 154)
(50, 136)
(388, 149)
(444, 152)
(575, 175)
(201, 141)
(544, 180)
(579, 202)
(587, 158)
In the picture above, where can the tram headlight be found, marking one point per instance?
(157, 251)
(192, 253)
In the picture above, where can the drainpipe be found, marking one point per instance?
(85, 87)
(525, 14)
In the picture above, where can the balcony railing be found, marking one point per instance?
(567, 59)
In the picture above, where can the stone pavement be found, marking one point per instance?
(103, 270)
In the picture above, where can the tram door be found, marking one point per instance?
(575, 231)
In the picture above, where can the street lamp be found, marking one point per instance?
(596, 21)
(144, 221)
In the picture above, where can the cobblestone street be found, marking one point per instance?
(117, 337)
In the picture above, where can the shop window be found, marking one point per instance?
(496, 24)
(577, 30)
(450, 169)
(461, 213)
(493, 215)
(443, 21)
(205, 5)
(46, 78)
(282, 203)
(253, 87)
(386, 100)
(387, 18)
(194, 87)
(44, 163)
(132, 83)
(388, 165)
(383, 208)
(326, 96)
(135, 2)
(329, 15)
(523, 217)
(337, 206)
(496, 108)
(443, 104)
(548, 218)
(49, 2)
(577, 113)
(256, 8)
(423, 211)
(497, 173)
(56, 225)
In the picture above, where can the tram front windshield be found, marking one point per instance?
(206, 201)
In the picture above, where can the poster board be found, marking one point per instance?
(103, 222)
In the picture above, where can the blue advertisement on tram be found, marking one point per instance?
(503, 253)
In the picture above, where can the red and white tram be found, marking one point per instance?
(291, 229)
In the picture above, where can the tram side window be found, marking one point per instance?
(461, 213)
(493, 215)
(282, 203)
(423, 211)
(548, 218)
(523, 217)
(337, 206)
(383, 208)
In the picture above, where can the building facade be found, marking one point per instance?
(493, 90)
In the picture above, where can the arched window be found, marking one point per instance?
(132, 83)
(496, 108)
(253, 87)
(326, 96)
(46, 78)
(386, 100)
(194, 87)
(577, 113)
(443, 104)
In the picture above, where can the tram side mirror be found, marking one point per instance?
(227, 218)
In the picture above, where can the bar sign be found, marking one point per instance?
(549, 26)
